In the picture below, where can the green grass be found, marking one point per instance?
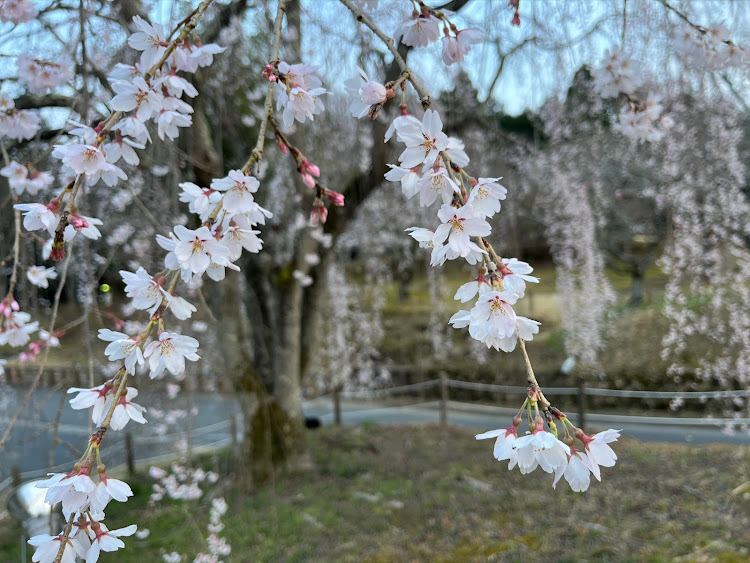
(410, 493)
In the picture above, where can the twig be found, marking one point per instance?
(257, 155)
(360, 16)
(43, 364)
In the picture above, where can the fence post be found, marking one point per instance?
(129, 454)
(337, 406)
(443, 398)
(582, 403)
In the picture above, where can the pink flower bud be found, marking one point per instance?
(58, 251)
(335, 198)
(310, 168)
(308, 180)
(282, 146)
(319, 214)
(373, 93)
(77, 222)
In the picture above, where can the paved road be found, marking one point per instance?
(29, 445)
(486, 418)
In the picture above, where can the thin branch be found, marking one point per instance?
(424, 96)
(257, 155)
(43, 364)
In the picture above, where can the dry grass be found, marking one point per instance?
(424, 493)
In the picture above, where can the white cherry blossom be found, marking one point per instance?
(455, 48)
(95, 397)
(38, 217)
(485, 196)
(408, 178)
(125, 410)
(423, 142)
(150, 39)
(48, 546)
(146, 293)
(170, 353)
(122, 347)
(459, 225)
(239, 189)
(108, 489)
(82, 159)
(515, 275)
(40, 276)
(493, 317)
(107, 540)
(418, 31)
(436, 183)
(598, 451)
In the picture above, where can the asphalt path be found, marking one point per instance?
(30, 442)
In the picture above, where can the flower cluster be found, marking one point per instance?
(15, 325)
(710, 48)
(641, 120)
(17, 11)
(300, 93)
(26, 178)
(18, 124)
(542, 448)
(433, 166)
(423, 28)
(41, 76)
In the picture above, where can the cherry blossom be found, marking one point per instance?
(146, 293)
(150, 39)
(122, 347)
(170, 353)
(515, 273)
(41, 76)
(124, 148)
(107, 540)
(408, 177)
(201, 201)
(17, 175)
(598, 451)
(455, 48)
(577, 472)
(125, 410)
(418, 31)
(540, 449)
(485, 196)
(82, 159)
(365, 94)
(40, 276)
(239, 189)
(108, 489)
(72, 489)
(95, 397)
(137, 94)
(436, 183)
(17, 11)
(235, 239)
(17, 328)
(424, 140)
(180, 307)
(504, 443)
(195, 250)
(459, 225)
(48, 546)
(615, 75)
(469, 290)
(493, 317)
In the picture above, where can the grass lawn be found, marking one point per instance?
(425, 493)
